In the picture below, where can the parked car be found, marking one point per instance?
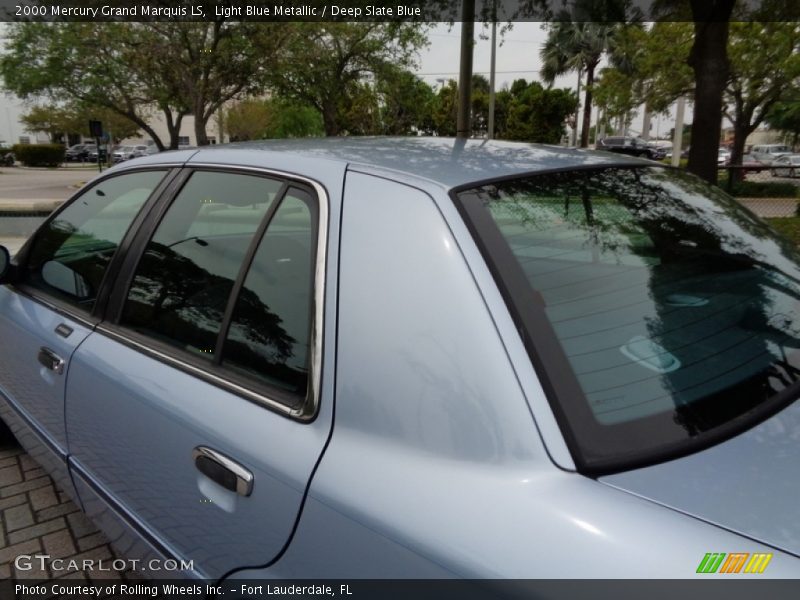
(7, 157)
(787, 165)
(93, 151)
(723, 156)
(633, 146)
(122, 153)
(543, 363)
(767, 153)
(140, 150)
(79, 152)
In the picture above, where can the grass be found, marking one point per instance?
(761, 189)
(787, 226)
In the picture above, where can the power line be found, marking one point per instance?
(503, 41)
(478, 72)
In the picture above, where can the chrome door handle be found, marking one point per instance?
(223, 470)
(51, 360)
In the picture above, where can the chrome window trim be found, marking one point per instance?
(308, 409)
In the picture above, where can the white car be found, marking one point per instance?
(767, 153)
(787, 165)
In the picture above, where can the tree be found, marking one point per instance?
(256, 119)
(92, 64)
(60, 122)
(445, 108)
(645, 73)
(323, 64)
(759, 79)
(535, 114)
(136, 69)
(406, 103)
(709, 60)
(577, 46)
(55, 121)
(785, 115)
(206, 64)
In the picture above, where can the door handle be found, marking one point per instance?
(51, 360)
(223, 470)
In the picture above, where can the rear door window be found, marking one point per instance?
(227, 282)
(185, 276)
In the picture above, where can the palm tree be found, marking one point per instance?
(579, 37)
(575, 46)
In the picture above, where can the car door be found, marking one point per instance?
(51, 308)
(192, 412)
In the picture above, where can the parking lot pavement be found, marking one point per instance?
(12, 243)
(20, 185)
(38, 518)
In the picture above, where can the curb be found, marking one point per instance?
(44, 207)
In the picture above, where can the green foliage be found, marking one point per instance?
(406, 103)
(785, 115)
(326, 65)
(445, 109)
(525, 111)
(88, 64)
(255, 119)
(40, 155)
(61, 121)
(135, 69)
(762, 189)
(535, 114)
(575, 44)
(651, 69)
(789, 227)
(764, 69)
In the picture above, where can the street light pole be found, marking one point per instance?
(491, 77)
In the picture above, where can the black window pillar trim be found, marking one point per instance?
(244, 269)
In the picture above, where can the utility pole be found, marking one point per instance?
(677, 139)
(577, 112)
(463, 122)
(492, 72)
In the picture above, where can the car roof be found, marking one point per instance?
(447, 161)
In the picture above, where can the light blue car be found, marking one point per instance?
(413, 358)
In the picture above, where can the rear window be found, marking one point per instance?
(660, 314)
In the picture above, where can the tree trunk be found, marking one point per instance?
(740, 133)
(709, 59)
(141, 123)
(173, 128)
(587, 107)
(330, 121)
(200, 121)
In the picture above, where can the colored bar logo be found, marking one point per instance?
(735, 562)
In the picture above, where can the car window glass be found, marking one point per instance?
(185, 276)
(675, 308)
(71, 253)
(269, 333)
